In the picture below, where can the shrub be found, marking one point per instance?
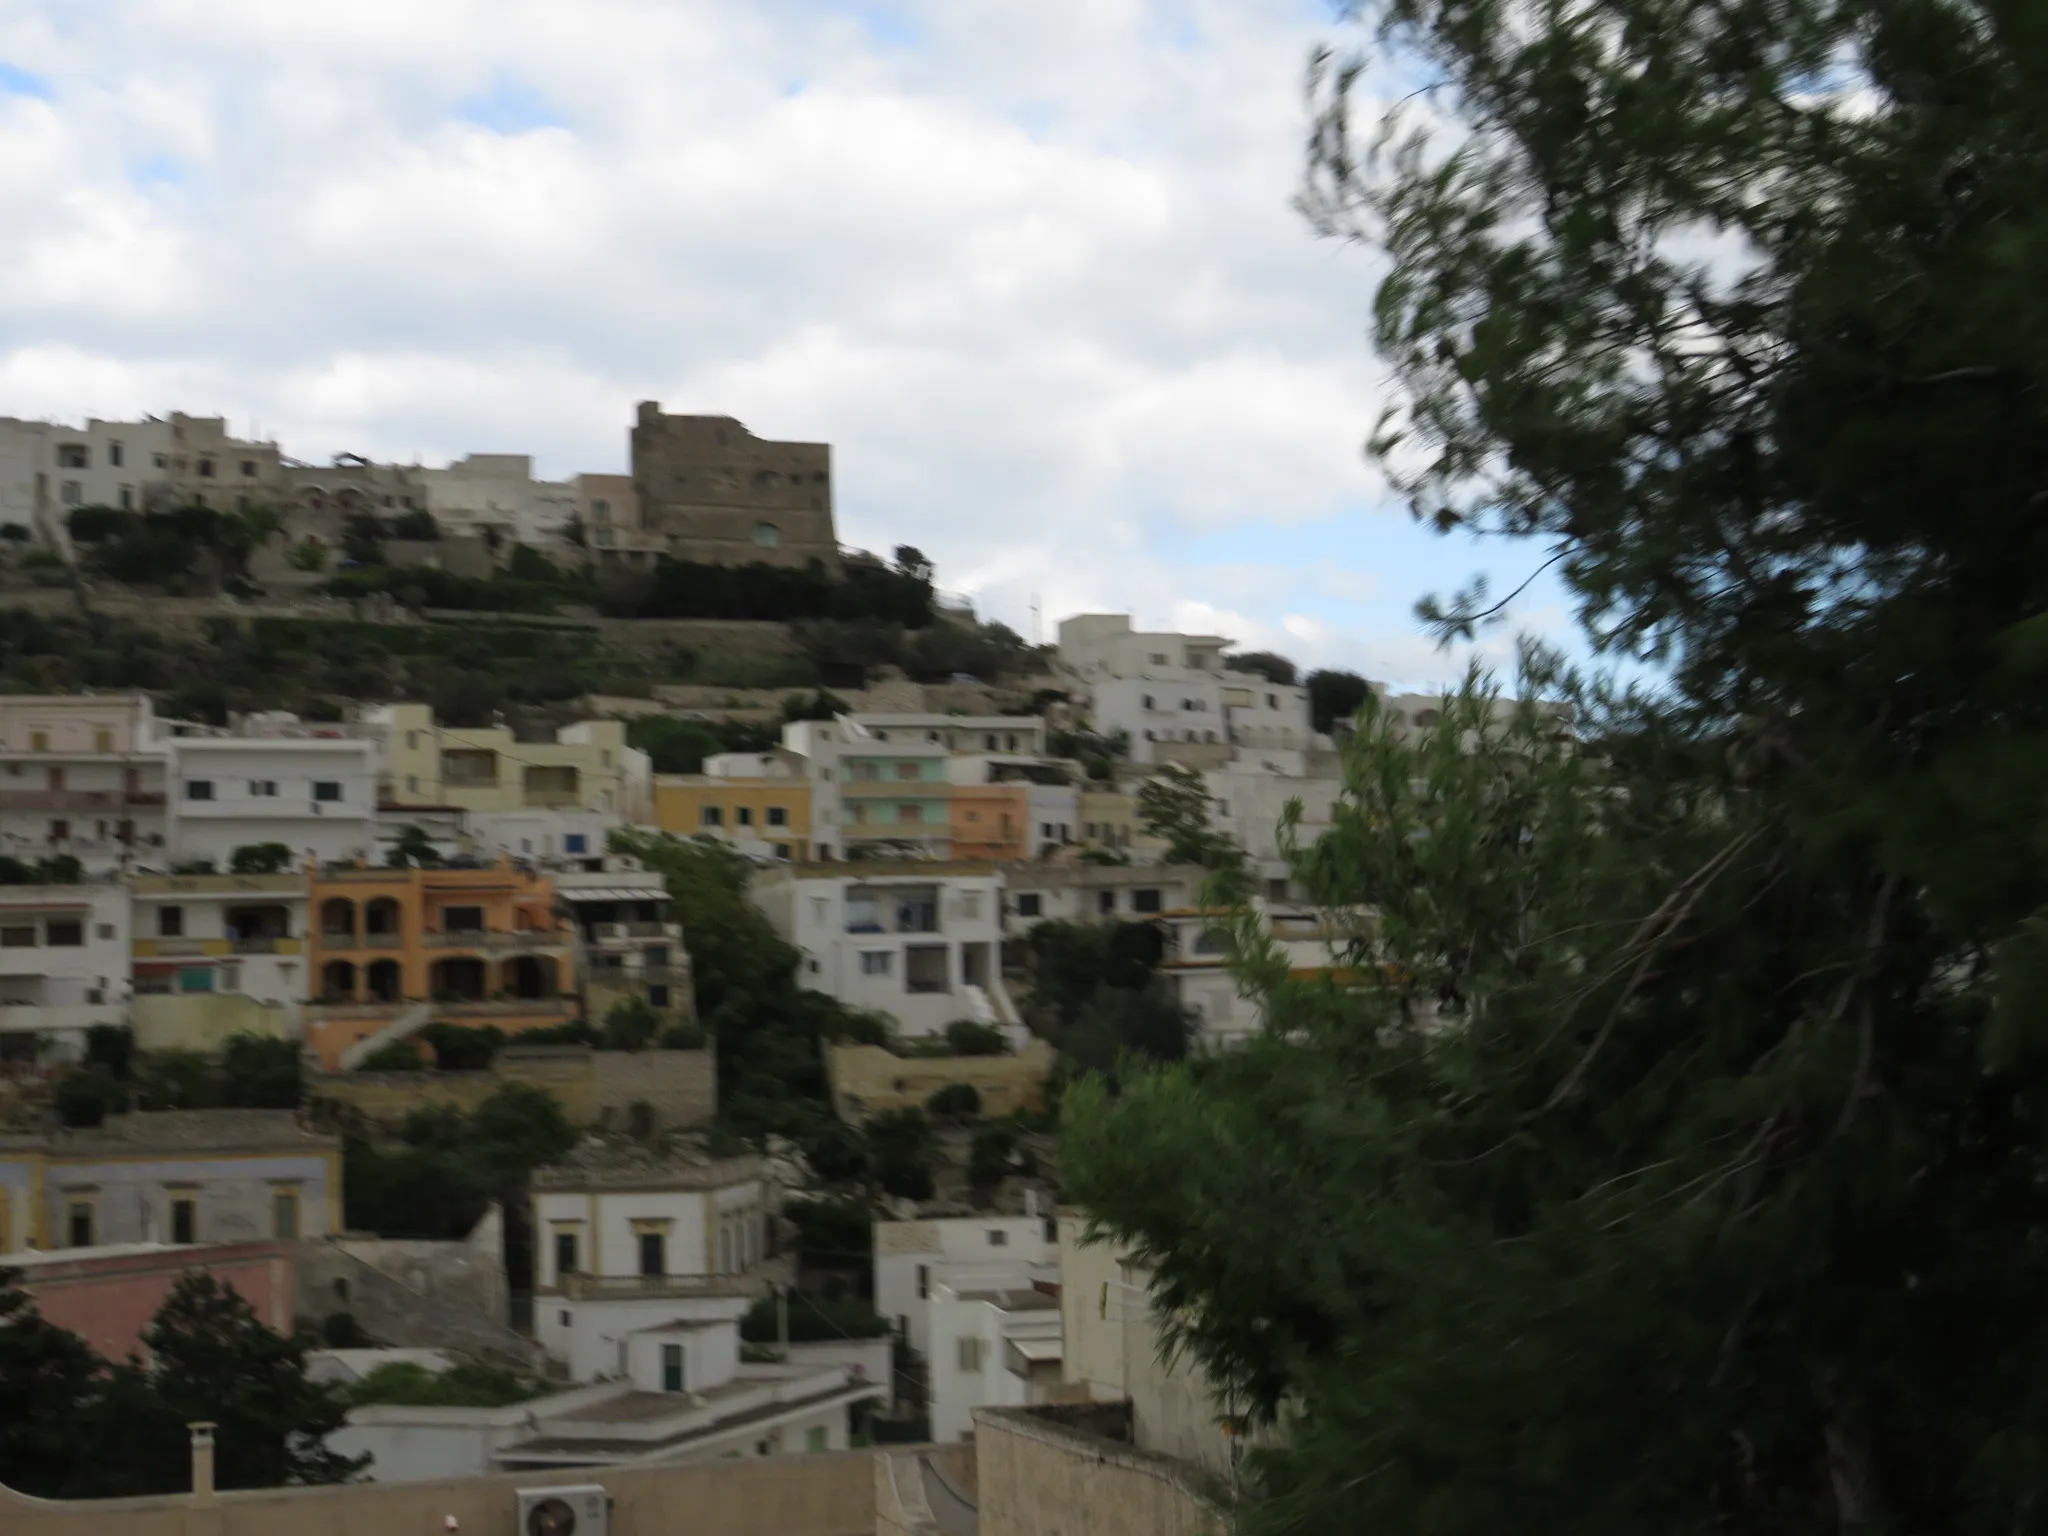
(812, 1320)
(955, 1101)
(966, 1037)
(398, 1056)
(684, 1037)
(260, 859)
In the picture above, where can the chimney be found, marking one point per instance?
(202, 1462)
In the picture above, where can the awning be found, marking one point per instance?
(614, 893)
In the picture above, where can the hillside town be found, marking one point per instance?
(1298, 791)
(254, 968)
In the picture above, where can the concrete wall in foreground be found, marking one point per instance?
(818, 1494)
(1042, 1471)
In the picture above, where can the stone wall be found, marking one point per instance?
(706, 484)
(593, 1087)
(866, 1079)
(827, 1493)
(332, 1279)
(682, 1086)
(1055, 1469)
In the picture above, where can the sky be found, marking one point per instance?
(1031, 269)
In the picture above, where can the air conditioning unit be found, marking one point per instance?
(583, 1509)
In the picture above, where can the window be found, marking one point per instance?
(875, 962)
(565, 1254)
(327, 789)
(263, 789)
(103, 741)
(778, 816)
(924, 1281)
(73, 456)
(601, 510)
(970, 905)
(575, 842)
(562, 1317)
(21, 937)
(814, 1438)
(744, 816)
(205, 469)
(712, 816)
(106, 930)
(248, 469)
(767, 536)
(1105, 902)
(127, 498)
(653, 1253)
(199, 789)
(170, 922)
(64, 932)
(1148, 701)
(412, 783)
(195, 978)
(1272, 701)
(654, 957)
(657, 995)
(79, 1223)
(1145, 899)
(39, 741)
(412, 741)
(116, 455)
(972, 1348)
(463, 919)
(907, 772)
(72, 494)
(59, 830)
(185, 1221)
(671, 1367)
(1030, 904)
(998, 1238)
(284, 1214)
(159, 461)
(910, 815)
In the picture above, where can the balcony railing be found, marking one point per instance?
(73, 799)
(496, 938)
(596, 1287)
(615, 931)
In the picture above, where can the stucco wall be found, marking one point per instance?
(110, 1302)
(681, 1085)
(196, 1022)
(823, 1494)
(866, 1078)
(392, 1312)
(1039, 1475)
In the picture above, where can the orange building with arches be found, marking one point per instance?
(471, 946)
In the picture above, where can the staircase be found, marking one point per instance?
(404, 1027)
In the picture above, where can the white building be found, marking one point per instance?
(1197, 964)
(48, 468)
(316, 796)
(1249, 798)
(1175, 696)
(497, 492)
(682, 1396)
(1015, 734)
(1083, 893)
(625, 1241)
(63, 962)
(991, 1348)
(964, 1252)
(919, 942)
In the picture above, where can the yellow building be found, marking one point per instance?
(587, 767)
(1110, 820)
(770, 809)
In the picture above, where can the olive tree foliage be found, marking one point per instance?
(1673, 1158)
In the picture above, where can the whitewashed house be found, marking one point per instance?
(917, 941)
(912, 1258)
(63, 964)
(315, 795)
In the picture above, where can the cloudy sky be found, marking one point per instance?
(1029, 267)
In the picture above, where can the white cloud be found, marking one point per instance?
(1031, 269)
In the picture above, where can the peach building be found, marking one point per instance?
(991, 822)
(471, 946)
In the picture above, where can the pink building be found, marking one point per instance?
(109, 1296)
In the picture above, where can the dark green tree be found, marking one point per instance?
(1270, 665)
(211, 1357)
(260, 1073)
(901, 1146)
(1673, 1160)
(48, 1379)
(1334, 697)
(1174, 805)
